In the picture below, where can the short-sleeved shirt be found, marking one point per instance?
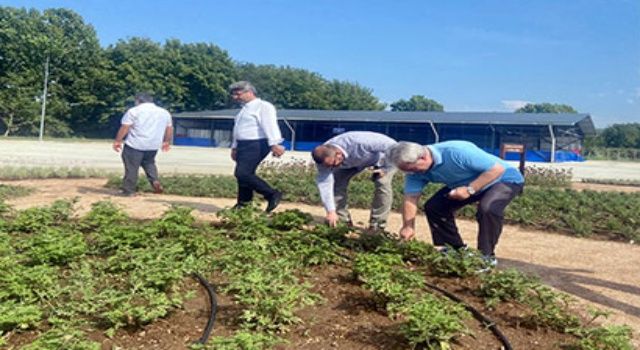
(458, 163)
(147, 124)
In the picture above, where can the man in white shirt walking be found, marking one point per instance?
(255, 134)
(147, 128)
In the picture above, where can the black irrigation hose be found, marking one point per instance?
(214, 308)
(480, 317)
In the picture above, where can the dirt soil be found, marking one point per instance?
(597, 273)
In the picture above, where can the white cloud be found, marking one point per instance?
(630, 101)
(512, 105)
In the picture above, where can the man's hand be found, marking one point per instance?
(234, 153)
(277, 150)
(117, 146)
(407, 233)
(166, 146)
(331, 218)
(122, 132)
(459, 193)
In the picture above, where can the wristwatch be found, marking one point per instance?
(471, 190)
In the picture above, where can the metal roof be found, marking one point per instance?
(583, 121)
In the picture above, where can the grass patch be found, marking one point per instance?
(23, 173)
(12, 191)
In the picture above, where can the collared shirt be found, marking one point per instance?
(148, 123)
(458, 163)
(361, 149)
(256, 120)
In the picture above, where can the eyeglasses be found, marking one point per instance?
(238, 93)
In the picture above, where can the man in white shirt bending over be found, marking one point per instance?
(255, 134)
(147, 128)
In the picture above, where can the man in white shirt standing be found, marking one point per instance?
(255, 134)
(147, 128)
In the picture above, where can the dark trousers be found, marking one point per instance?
(249, 154)
(440, 211)
(133, 159)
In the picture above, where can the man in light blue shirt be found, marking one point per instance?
(470, 175)
(340, 159)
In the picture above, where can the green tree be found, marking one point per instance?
(352, 96)
(28, 41)
(295, 88)
(546, 108)
(21, 67)
(416, 103)
(621, 136)
(287, 87)
(205, 71)
(183, 77)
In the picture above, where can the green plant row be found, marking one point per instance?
(615, 182)
(105, 271)
(69, 277)
(24, 172)
(13, 191)
(389, 271)
(549, 206)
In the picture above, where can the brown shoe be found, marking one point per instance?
(157, 187)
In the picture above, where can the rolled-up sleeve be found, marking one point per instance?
(324, 181)
(269, 123)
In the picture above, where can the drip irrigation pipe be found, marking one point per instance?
(213, 303)
(479, 316)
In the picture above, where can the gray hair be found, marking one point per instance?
(242, 86)
(143, 97)
(404, 152)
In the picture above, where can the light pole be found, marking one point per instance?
(44, 97)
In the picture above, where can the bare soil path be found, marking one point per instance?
(598, 273)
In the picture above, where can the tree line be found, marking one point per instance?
(89, 87)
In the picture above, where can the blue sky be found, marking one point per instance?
(474, 55)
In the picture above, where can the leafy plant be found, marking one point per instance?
(33, 220)
(64, 338)
(603, 338)
(14, 315)
(433, 322)
(55, 246)
(243, 340)
(290, 219)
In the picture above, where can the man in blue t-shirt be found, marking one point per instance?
(470, 175)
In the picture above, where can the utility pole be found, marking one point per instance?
(44, 97)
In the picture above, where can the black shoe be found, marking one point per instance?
(273, 202)
(239, 205)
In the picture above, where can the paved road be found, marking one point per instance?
(202, 160)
